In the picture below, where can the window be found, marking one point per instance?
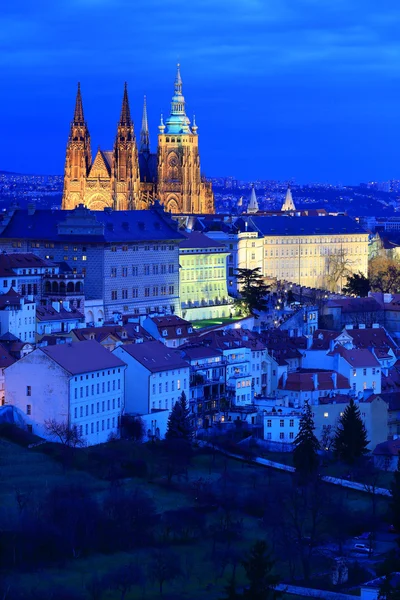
(326, 415)
(171, 289)
(114, 295)
(146, 292)
(29, 409)
(155, 290)
(124, 271)
(269, 423)
(291, 435)
(291, 423)
(28, 390)
(135, 270)
(84, 257)
(124, 248)
(282, 436)
(171, 268)
(135, 292)
(113, 248)
(146, 269)
(281, 423)
(364, 372)
(354, 372)
(124, 294)
(155, 269)
(163, 269)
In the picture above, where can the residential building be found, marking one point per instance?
(17, 316)
(281, 424)
(202, 276)
(156, 376)
(207, 396)
(57, 318)
(111, 336)
(78, 384)
(24, 271)
(129, 259)
(310, 385)
(171, 330)
(5, 361)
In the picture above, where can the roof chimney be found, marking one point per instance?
(315, 380)
(334, 379)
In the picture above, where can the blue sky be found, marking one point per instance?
(308, 89)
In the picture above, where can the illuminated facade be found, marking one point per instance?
(131, 177)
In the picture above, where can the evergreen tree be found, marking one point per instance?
(259, 567)
(306, 446)
(231, 592)
(179, 425)
(394, 504)
(350, 442)
(357, 285)
(253, 290)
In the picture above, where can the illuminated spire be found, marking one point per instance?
(288, 204)
(125, 118)
(194, 126)
(177, 121)
(78, 114)
(161, 126)
(253, 204)
(144, 134)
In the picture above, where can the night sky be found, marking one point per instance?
(308, 89)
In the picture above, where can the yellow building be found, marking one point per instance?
(129, 177)
(316, 252)
(202, 278)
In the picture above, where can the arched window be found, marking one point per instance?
(70, 287)
(54, 287)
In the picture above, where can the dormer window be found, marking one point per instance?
(190, 330)
(165, 333)
(179, 331)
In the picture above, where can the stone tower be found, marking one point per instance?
(288, 203)
(125, 177)
(179, 184)
(78, 158)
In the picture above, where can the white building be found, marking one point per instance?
(281, 424)
(171, 330)
(156, 376)
(57, 318)
(80, 384)
(18, 316)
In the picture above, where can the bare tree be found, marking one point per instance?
(65, 433)
(338, 268)
(164, 566)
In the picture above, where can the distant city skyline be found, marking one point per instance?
(280, 90)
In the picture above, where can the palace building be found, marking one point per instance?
(130, 177)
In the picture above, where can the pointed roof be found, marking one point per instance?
(288, 204)
(144, 133)
(125, 118)
(177, 121)
(78, 114)
(253, 204)
(101, 165)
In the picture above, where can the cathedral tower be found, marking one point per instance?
(78, 158)
(125, 171)
(179, 184)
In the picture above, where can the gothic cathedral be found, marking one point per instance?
(126, 177)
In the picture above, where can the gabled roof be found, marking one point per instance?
(322, 339)
(129, 332)
(5, 358)
(82, 357)
(375, 337)
(356, 357)
(100, 164)
(171, 324)
(21, 260)
(155, 356)
(352, 305)
(10, 298)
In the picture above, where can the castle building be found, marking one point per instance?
(130, 177)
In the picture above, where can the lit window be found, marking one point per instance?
(326, 415)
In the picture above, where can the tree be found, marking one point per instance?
(164, 566)
(259, 567)
(124, 578)
(394, 504)
(350, 442)
(384, 274)
(253, 290)
(231, 592)
(65, 433)
(357, 285)
(179, 426)
(306, 446)
(387, 590)
(338, 268)
(133, 428)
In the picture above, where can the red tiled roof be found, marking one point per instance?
(356, 357)
(304, 381)
(82, 357)
(155, 356)
(322, 339)
(171, 324)
(371, 337)
(48, 313)
(5, 358)
(125, 333)
(20, 260)
(194, 352)
(388, 448)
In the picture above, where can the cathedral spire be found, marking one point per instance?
(178, 80)
(177, 121)
(288, 204)
(125, 118)
(78, 114)
(144, 133)
(253, 204)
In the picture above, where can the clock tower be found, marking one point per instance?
(180, 187)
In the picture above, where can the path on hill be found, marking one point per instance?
(355, 485)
